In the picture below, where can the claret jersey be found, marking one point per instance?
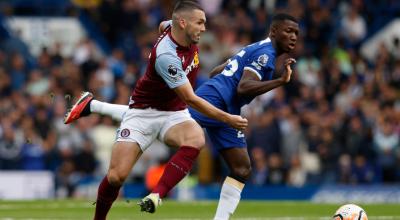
(170, 65)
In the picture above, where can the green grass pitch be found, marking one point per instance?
(172, 210)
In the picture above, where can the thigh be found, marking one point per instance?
(236, 157)
(187, 133)
(140, 126)
(124, 155)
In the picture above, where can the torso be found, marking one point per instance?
(151, 90)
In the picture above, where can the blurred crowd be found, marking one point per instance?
(337, 121)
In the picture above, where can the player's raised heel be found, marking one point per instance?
(150, 203)
(80, 109)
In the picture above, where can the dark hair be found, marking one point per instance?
(184, 5)
(282, 17)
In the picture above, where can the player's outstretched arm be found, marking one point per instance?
(186, 93)
(251, 85)
(218, 69)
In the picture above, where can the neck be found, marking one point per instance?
(179, 37)
(278, 52)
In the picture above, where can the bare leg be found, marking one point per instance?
(124, 156)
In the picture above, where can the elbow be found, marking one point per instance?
(241, 91)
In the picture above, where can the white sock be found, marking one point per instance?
(104, 108)
(229, 198)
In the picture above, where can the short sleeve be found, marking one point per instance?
(259, 64)
(167, 24)
(169, 67)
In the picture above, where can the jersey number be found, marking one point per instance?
(233, 65)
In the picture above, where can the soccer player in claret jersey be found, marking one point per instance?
(246, 75)
(158, 109)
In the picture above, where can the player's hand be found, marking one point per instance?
(287, 73)
(236, 121)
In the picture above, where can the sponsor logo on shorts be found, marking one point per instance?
(240, 134)
(125, 133)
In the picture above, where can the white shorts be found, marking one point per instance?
(143, 126)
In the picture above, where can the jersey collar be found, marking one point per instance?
(175, 42)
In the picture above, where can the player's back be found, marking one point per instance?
(152, 90)
(258, 58)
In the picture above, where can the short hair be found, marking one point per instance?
(185, 5)
(283, 16)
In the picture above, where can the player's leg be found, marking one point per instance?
(238, 161)
(124, 156)
(137, 131)
(189, 137)
(86, 105)
(183, 132)
(240, 170)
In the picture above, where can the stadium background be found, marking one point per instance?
(335, 126)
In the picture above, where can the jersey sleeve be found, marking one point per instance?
(260, 64)
(167, 24)
(169, 67)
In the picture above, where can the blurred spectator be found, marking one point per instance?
(387, 144)
(266, 134)
(353, 27)
(297, 176)
(362, 171)
(308, 68)
(293, 139)
(277, 174)
(259, 173)
(17, 71)
(11, 141)
(345, 169)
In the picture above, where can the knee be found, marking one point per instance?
(115, 178)
(195, 140)
(241, 173)
(198, 142)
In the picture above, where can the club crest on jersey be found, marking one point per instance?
(172, 70)
(125, 133)
(262, 60)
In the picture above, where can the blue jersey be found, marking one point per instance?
(259, 58)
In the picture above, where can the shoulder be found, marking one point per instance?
(166, 46)
(167, 57)
(265, 55)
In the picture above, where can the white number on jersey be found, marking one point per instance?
(233, 65)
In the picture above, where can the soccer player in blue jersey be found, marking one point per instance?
(246, 75)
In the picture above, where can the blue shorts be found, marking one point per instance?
(221, 134)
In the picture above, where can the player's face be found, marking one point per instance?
(196, 24)
(286, 35)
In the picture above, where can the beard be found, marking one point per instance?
(193, 39)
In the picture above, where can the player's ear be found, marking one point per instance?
(182, 23)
